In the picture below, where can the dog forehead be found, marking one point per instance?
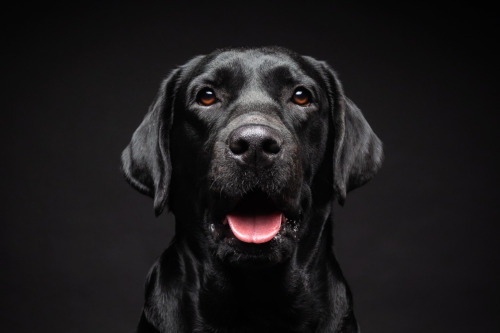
(252, 64)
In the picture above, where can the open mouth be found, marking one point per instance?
(255, 219)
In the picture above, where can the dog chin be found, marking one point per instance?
(233, 252)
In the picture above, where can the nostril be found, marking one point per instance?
(271, 146)
(238, 146)
(256, 145)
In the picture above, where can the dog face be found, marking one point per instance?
(245, 146)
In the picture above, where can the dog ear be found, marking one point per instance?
(358, 152)
(146, 160)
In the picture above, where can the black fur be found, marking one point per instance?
(208, 280)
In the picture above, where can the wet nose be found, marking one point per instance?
(255, 145)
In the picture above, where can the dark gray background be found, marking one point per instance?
(419, 244)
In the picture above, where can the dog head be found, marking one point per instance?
(245, 146)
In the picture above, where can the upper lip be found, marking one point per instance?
(254, 202)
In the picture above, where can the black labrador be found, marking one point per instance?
(249, 148)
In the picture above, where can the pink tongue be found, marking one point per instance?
(255, 228)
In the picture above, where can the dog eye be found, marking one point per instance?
(301, 96)
(206, 97)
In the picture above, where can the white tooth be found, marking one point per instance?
(212, 227)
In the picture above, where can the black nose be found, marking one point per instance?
(255, 145)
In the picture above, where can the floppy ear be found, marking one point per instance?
(146, 160)
(358, 152)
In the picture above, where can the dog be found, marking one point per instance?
(249, 148)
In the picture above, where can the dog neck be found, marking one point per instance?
(293, 291)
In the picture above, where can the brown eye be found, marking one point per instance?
(301, 96)
(206, 97)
